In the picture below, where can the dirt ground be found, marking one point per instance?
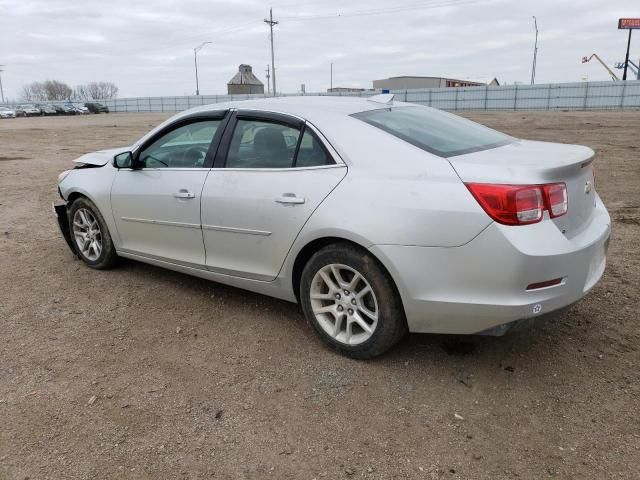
(96, 381)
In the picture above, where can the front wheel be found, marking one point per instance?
(90, 235)
(351, 301)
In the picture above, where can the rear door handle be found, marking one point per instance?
(183, 193)
(290, 199)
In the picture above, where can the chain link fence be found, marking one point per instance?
(554, 96)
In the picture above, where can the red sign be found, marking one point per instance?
(627, 23)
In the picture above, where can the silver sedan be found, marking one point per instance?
(6, 112)
(379, 217)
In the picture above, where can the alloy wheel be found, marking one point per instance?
(344, 304)
(87, 234)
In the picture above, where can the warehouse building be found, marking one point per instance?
(244, 82)
(406, 82)
(348, 90)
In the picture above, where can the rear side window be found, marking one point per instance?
(435, 131)
(311, 153)
(262, 144)
(268, 144)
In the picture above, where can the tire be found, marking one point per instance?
(337, 314)
(84, 216)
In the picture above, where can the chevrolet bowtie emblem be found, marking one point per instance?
(587, 188)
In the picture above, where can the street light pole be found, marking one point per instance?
(535, 53)
(626, 60)
(1, 90)
(195, 61)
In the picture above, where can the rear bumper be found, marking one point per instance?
(483, 284)
(524, 323)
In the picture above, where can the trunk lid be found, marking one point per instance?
(526, 162)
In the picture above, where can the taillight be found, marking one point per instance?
(557, 201)
(520, 204)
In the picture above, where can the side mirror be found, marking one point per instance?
(123, 160)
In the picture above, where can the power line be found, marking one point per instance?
(241, 26)
(380, 11)
(190, 38)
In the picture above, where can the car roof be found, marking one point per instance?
(305, 106)
(331, 114)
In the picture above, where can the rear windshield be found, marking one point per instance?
(435, 131)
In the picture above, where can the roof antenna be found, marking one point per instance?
(384, 98)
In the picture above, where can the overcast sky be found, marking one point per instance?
(146, 47)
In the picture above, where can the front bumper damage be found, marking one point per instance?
(60, 211)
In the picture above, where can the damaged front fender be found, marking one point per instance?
(60, 211)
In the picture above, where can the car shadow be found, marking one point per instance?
(414, 347)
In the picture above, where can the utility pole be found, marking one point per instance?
(535, 53)
(195, 61)
(331, 84)
(1, 90)
(626, 61)
(271, 22)
(268, 84)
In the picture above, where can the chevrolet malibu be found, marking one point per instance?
(378, 217)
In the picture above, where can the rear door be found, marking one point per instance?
(270, 174)
(156, 206)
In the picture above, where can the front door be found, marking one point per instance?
(156, 206)
(274, 174)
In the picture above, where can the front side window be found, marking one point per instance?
(184, 147)
(435, 131)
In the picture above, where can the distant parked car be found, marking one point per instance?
(95, 107)
(80, 108)
(76, 108)
(68, 109)
(58, 108)
(46, 109)
(28, 110)
(6, 112)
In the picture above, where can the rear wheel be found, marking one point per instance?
(351, 301)
(90, 235)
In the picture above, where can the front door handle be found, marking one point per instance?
(183, 193)
(290, 199)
